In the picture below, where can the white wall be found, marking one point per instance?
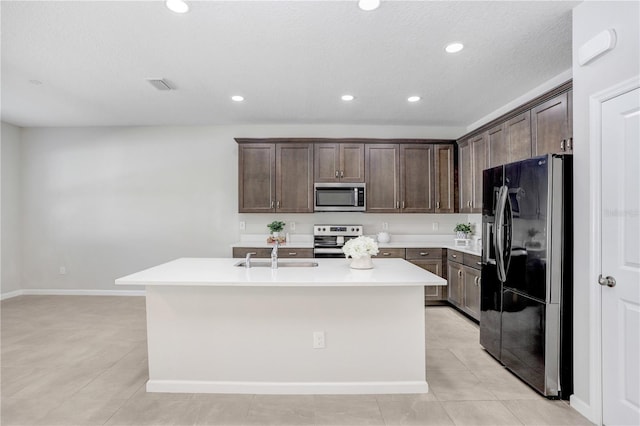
(106, 202)
(590, 18)
(10, 249)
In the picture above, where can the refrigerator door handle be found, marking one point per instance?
(508, 221)
(499, 232)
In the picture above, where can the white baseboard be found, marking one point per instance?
(70, 292)
(10, 294)
(284, 388)
(583, 408)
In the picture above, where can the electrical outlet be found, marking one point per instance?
(435, 226)
(292, 226)
(243, 225)
(385, 226)
(62, 270)
(318, 340)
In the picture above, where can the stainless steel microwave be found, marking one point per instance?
(339, 197)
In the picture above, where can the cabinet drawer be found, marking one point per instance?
(472, 261)
(424, 253)
(295, 252)
(259, 252)
(455, 256)
(391, 252)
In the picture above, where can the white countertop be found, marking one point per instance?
(397, 241)
(328, 273)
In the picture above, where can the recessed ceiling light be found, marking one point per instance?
(237, 98)
(368, 4)
(413, 98)
(177, 6)
(347, 97)
(454, 47)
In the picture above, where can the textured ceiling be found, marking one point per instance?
(291, 60)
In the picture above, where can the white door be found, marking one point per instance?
(621, 259)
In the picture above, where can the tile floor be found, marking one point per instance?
(81, 360)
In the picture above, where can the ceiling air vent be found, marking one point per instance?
(160, 83)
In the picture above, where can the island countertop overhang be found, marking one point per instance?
(328, 273)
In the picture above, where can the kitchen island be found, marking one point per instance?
(213, 327)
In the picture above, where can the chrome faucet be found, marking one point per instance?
(274, 255)
(247, 260)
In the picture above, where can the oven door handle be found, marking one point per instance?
(327, 250)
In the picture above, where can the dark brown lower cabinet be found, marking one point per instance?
(464, 282)
(261, 252)
(431, 260)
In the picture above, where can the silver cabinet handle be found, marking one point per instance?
(293, 254)
(397, 204)
(278, 204)
(271, 204)
(460, 273)
(437, 204)
(386, 254)
(479, 263)
(479, 281)
(341, 173)
(336, 173)
(403, 204)
(609, 281)
(563, 144)
(570, 144)
(424, 253)
(454, 255)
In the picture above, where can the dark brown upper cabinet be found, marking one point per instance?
(510, 141)
(275, 178)
(410, 178)
(382, 172)
(550, 126)
(339, 162)
(472, 154)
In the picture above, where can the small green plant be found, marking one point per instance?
(276, 226)
(463, 227)
(532, 232)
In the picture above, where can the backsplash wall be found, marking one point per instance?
(399, 224)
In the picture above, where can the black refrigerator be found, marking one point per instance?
(527, 275)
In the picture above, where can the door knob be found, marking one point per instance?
(609, 281)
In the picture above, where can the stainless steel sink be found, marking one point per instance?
(267, 264)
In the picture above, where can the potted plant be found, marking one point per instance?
(531, 243)
(463, 230)
(276, 226)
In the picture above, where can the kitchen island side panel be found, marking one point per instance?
(260, 339)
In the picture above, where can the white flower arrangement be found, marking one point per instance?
(360, 247)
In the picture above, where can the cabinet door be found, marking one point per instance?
(455, 280)
(444, 179)
(382, 177)
(292, 252)
(416, 178)
(259, 252)
(518, 133)
(549, 122)
(391, 253)
(498, 146)
(294, 178)
(326, 159)
(432, 293)
(471, 298)
(256, 178)
(465, 176)
(478, 164)
(352, 162)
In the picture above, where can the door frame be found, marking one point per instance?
(595, 253)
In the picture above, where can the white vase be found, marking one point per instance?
(362, 263)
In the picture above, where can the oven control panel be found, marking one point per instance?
(337, 230)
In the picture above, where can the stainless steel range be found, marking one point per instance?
(329, 239)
